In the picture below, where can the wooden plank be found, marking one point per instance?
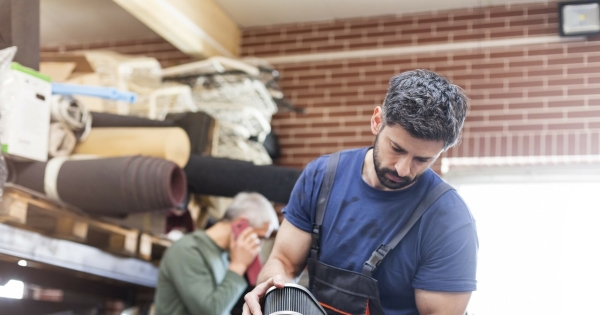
(199, 28)
(33, 211)
(152, 248)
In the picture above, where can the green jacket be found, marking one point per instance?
(194, 279)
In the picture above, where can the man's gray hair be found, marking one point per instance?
(254, 207)
(426, 105)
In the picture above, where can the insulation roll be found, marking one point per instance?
(109, 187)
(170, 144)
(62, 140)
(225, 177)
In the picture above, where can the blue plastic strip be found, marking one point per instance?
(95, 91)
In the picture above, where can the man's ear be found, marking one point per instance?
(376, 120)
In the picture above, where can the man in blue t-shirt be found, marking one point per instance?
(375, 190)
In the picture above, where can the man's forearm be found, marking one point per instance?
(274, 267)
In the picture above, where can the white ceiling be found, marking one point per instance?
(249, 13)
(72, 21)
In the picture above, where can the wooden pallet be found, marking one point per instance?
(152, 248)
(27, 209)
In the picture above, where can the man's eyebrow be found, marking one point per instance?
(400, 148)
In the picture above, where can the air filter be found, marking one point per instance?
(292, 299)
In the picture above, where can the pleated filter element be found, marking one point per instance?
(292, 299)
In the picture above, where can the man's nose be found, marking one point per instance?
(403, 166)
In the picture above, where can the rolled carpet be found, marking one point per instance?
(170, 144)
(104, 120)
(109, 187)
(226, 177)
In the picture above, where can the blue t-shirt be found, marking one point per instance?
(438, 254)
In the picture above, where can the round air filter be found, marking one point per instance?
(292, 299)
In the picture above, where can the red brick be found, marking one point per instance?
(505, 95)
(508, 74)
(403, 22)
(475, 56)
(544, 73)
(527, 105)
(584, 49)
(470, 16)
(566, 103)
(546, 93)
(486, 129)
(530, 127)
(433, 39)
(522, 84)
(546, 51)
(527, 21)
(450, 28)
(507, 13)
(592, 70)
(474, 76)
(479, 36)
(478, 25)
(584, 114)
(545, 116)
(413, 31)
(502, 33)
(449, 68)
(588, 91)
(578, 81)
(541, 31)
(566, 126)
(544, 11)
(594, 80)
(434, 20)
(396, 42)
(478, 86)
(487, 65)
(527, 63)
(477, 107)
(593, 58)
(505, 117)
(507, 54)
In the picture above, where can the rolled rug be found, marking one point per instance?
(170, 144)
(226, 177)
(62, 140)
(109, 187)
(103, 120)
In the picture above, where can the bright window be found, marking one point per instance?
(539, 240)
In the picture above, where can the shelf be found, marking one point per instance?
(66, 254)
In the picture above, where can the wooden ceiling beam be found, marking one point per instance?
(199, 28)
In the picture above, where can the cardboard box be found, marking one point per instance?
(25, 116)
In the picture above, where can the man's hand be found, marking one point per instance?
(243, 250)
(252, 305)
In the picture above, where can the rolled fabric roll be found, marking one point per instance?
(226, 177)
(72, 113)
(170, 144)
(199, 126)
(104, 120)
(109, 187)
(62, 140)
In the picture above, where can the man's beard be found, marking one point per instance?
(382, 171)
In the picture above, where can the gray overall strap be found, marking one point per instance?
(380, 253)
(324, 193)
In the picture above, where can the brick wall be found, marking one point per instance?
(533, 99)
(154, 46)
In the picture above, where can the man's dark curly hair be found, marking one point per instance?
(426, 105)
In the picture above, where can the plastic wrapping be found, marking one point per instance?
(6, 57)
